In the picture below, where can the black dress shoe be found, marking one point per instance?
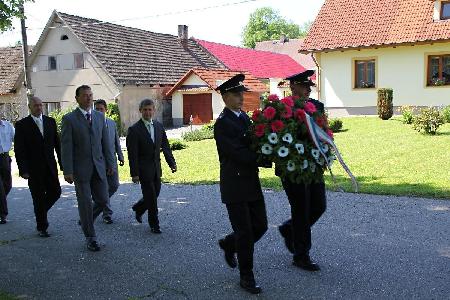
(230, 258)
(138, 217)
(107, 220)
(287, 236)
(93, 246)
(44, 234)
(249, 284)
(156, 230)
(2, 220)
(306, 263)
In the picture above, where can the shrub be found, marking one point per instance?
(446, 114)
(198, 135)
(209, 126)
(335, 124)
(58, 115)
(428, 120)
(407, 113)
(114, 113)
(385, 104)
(176, 144)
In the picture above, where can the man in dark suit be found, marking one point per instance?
(145, 140)
(308, 201)
(87, 160)
(35, 143)
(239, 183)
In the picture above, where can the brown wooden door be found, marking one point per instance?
(199, 106)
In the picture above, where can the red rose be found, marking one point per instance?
(277, 126)
(256, 114)
(269, 113)
(260, 130)
(273, 97)
(300, 115)
(330, 133)
(287, 112)
(310, 108)
(288, 101)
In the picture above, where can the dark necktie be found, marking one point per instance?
(88, 118)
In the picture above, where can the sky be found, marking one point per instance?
(222, 21)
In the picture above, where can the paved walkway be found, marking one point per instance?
(369, 247)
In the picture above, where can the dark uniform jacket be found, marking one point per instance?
(34, 152)
(239, 180)
(144, 154)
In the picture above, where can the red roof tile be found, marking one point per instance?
(289, 47)
(261, 64)
(345, 24)
(212, 76)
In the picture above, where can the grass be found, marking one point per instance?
(387, 157)
(5, 296)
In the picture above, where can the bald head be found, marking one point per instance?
(35, 106)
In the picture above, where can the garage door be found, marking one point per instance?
(199, 106)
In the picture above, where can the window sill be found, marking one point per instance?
(438, 86)
(364, 89)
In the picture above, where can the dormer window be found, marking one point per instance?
(445, 10)
(64, 37)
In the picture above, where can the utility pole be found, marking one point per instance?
(26, 53)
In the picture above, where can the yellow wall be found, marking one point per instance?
(402, 68)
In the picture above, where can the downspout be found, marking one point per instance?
(319, 77)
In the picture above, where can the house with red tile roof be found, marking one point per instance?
(363, 45)
(270, 67)
(195, 99)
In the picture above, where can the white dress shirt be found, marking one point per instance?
(85, 112)
(150, 128)
(6, 136)
(39, 122)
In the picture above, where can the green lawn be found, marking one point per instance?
(387, 157)
(5, 296)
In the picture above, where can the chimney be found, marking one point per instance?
(183, 33)
(283, 39)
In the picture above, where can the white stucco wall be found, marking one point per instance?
(59, 85)
(403, 68)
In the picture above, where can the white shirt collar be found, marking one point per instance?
(237, 113)
(84, 111)
(37, 118)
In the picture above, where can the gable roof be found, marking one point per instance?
(11, 64)
(212, 76)
(344, 24)
(261, 64)
(136, 56)
(289, 47)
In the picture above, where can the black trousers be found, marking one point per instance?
(5, 183)
(45, 191)
(249, 223)
(308, 203)
(149, 201)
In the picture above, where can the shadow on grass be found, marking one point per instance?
(371, 185)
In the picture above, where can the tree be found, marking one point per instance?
(10, 9)
(267, 24)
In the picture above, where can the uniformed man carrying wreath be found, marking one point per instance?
(308, 201)
(239, 183)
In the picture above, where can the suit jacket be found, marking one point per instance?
(34, 152)
(239, 179)
(84, 147)
(114, 141)
(144, 154)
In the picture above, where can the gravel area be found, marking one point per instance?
(369, 247)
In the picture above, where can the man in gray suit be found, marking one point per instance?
(86, 160)
(115, 149)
